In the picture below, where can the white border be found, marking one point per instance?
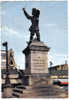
(68, 53)
(33, 0)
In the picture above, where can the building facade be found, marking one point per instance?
(59, 71)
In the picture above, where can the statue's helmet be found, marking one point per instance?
(37, 12)
(34, 11)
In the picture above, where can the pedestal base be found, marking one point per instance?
(37, 78)
(36, 59)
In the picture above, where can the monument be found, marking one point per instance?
(36, 52)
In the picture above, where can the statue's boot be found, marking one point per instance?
(38, 39)
(38, 35)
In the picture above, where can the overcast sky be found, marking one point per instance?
(53, 28)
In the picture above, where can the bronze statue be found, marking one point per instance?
(34, 28)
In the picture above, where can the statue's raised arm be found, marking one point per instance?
(26, 14)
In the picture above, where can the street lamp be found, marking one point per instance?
(7, 81)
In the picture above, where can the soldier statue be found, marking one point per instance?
(34, 28)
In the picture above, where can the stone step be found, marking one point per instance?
(46, 96)
(15, 95)
(38, 96)
(48, 89)
(21, 87)
(17, 90)
(29, 95)
(46, 93)
(49, 92)
(44, 89)
(28, 92)
(29, 87)
(41, 93)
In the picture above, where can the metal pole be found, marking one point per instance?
(7, 81)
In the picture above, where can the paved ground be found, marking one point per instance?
(45, 91)
(36, 91)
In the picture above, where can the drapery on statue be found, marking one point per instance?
(34, 28)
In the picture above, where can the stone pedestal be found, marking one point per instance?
(36, 59)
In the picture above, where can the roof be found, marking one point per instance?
(58, 66)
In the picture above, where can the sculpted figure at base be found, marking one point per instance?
(34, 28)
